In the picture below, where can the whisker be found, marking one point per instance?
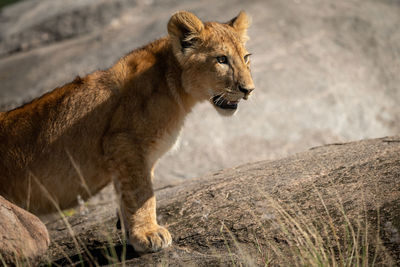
(218, 99)
(221, 98)
(226, 93)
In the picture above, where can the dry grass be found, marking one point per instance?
(301, 240)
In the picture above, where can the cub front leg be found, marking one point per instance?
(134, 187)
(138, 208)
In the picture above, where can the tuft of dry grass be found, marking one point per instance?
(301, 240)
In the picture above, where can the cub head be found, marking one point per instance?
(215, 63)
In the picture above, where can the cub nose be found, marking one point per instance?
(246, 91)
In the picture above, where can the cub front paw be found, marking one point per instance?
(150, 239)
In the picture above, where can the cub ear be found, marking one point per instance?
(185, 28)
(241, 23)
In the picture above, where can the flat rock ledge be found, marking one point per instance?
(338, 203)
(23, 237)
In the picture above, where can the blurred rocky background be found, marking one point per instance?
(325, 71)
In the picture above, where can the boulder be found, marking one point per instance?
(335, 204)
(23, 237)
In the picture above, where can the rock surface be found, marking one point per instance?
(325, 71)
(22, 235)
(340, 199)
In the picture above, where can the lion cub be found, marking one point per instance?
(115, 124)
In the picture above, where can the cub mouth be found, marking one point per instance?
(223, 103)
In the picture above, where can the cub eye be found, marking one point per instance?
(222, 60)
(247, 58)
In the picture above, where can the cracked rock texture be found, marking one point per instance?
(237, 216)
(325, 71)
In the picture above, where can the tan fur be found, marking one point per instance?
(115, 124)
